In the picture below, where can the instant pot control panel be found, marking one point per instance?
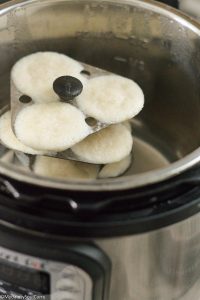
(23, 276)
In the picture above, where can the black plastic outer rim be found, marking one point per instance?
(22, 206)
(126, 223)
(127, 226)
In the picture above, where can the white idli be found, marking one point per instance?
(34, 74)
(54, 126)
(65, 169)
(105, 146)
(115, 169)
(128, 125)
(8, 138)
(111, 99)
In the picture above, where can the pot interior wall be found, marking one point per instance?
(154, 48)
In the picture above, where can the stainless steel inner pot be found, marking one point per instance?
(151, 43)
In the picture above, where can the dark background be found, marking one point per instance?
(173, 3)
(169, 2)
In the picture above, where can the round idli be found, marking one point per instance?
(64, 169)
(8, 138)
(54, 126)
(116, 169)
(111, 99)
(105, 146)
(33, 75)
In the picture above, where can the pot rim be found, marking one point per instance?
(121, 183)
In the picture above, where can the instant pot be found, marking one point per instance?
(136, 237)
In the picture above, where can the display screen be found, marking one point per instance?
(26, 278)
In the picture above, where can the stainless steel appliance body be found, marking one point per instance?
(163, 265)
(134, 237)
